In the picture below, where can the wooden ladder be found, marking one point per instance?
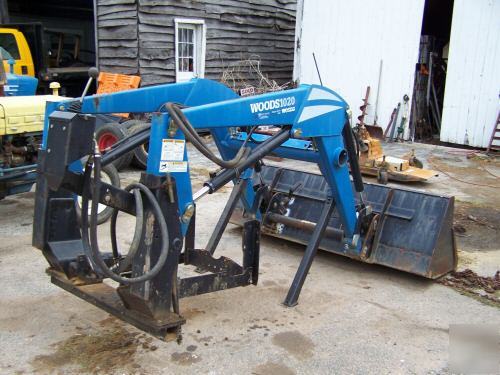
(495, 136)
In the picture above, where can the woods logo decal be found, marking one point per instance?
(283, 105)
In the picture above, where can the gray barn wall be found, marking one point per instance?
(137, 36)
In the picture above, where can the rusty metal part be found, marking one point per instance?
(308, 226)
(375, 131)
(392, 121)
(368, 240)
(364, 106)
(108, 299)
(169, 187)
(410, 175)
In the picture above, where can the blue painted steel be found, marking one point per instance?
(5, 171)
(197, 92)
(159, 128)
(338, 180)
(19, 85)
(296, 149)
(321, 113)
(23, 184)
(145, 99)
(278, 108)
(299, 144)
(312, 111)
(49, 108)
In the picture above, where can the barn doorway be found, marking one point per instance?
(430, 71)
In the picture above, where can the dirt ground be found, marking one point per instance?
(351, 318)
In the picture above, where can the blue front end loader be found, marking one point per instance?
(402, 229)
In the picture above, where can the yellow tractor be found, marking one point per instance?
(21, 137)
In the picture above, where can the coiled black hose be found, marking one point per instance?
(89, 232)
(139, 221)
(192, 136)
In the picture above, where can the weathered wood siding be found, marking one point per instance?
(137, 36)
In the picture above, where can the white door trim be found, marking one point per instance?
(199, 50)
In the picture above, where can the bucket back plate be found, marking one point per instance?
(414, 232)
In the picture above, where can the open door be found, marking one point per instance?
(431, 70)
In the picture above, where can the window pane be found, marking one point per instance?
(8, 44)
(186, 40)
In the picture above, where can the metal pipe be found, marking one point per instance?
(16, 175)
(258, 153)
(375, 119)
(200, 193)
(93, 74)
(429, 80)
(309, 254)
(284, 151)
(86, 89)
(309, 226)
(436, 106)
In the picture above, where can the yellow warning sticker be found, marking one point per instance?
(173, 166)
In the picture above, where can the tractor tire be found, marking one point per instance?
(130, 123)
(140, 159)
(106, 136)
(110, 175)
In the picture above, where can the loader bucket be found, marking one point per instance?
(375, 131)
(414, 232)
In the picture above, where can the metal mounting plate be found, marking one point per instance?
(106, 298)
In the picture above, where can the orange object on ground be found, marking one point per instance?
(113, 82)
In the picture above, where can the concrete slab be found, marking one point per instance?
(351, 317)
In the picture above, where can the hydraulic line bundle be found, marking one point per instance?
(402, 229)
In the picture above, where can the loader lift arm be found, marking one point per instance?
(314, 128)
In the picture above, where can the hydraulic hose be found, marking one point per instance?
(139, 221)
(89, 231)
(258, 153)
(192, 136)
(353, 157)
(87, 179)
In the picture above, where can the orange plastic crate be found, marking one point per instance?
(113, 82)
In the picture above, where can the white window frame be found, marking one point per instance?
(199, 49)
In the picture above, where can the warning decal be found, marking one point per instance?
(173, 166)
(173, 149)
(172, 156)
